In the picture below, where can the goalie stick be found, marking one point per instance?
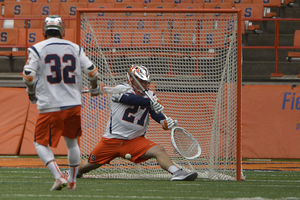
(112, 89)
(183, 141)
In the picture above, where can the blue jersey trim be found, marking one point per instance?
(34, 49)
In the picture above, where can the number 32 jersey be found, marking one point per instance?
(58, 64)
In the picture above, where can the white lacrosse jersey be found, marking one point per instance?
(58, 64)
(128, 122)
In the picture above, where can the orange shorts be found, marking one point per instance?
(51, 126)
(108, 149)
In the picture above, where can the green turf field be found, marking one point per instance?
(30, 183)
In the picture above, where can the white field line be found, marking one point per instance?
(97, 196)
(129, 197)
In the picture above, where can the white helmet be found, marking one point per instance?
(140, 72)
(54, 22)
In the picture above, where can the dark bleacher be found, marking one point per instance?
(258, 64)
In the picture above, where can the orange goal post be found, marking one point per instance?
(194, 58)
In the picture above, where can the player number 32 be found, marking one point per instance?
(59, 73)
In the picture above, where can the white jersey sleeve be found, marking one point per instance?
(58, 64)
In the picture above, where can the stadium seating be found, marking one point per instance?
(1, 21)
(63, 1)
(160, 5)
(92, 1)
(206, 1)
(251, 11)
(33, 36)
(177, 1)
(33, 22)
(33, 1)
(287, 2)
(70, 8)
(188, 6)
(234, 2)
(119, 1)
(129, 5)
(101, 5)
(267, 7)
(295, 55)
(70, 35)
(183, 38)
(149, 1)
(148, 37)
(17, 9)
(226, 5)
(8, 36)
(45, 9)
(8, 39)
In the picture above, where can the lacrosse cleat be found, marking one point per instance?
(59, 184)
(72, 186)
(181, 175)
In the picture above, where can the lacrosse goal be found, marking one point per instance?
(194, 57)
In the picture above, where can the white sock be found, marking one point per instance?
(73, 151)
(73, 174)
(46, 155)
(44, 152)
(52, 166)
(173, 169)
(73, 158)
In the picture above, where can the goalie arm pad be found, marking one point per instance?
(132, 99)
(92, 72)
(158, 117)
(166, 122)
(29, 76)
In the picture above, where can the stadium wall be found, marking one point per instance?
(270, 122)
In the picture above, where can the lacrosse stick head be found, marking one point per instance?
(142, 74)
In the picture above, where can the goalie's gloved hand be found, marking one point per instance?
(156, 106)
(168, 123)
(31, 95)
(116, 97)
(97, 91)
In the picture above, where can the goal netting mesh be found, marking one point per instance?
(192, 58)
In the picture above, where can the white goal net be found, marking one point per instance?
(193, 61)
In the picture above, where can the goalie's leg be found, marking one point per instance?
(181, 175)
(165, 162)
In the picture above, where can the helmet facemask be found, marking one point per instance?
(141, 73)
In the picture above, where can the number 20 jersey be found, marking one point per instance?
(58, 64)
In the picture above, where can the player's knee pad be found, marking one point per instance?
(29, 76)
(92, 72)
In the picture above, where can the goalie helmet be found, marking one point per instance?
(54, 22)
(142, 74)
